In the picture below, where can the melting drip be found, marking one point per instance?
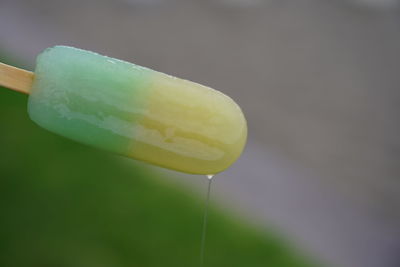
(203, 235)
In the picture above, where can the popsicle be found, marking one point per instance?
(131, 110)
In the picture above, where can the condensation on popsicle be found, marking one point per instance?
(136, 111)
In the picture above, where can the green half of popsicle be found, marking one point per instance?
(136, 111)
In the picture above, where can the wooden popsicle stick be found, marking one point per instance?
(16, 79)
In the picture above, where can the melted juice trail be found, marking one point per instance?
(203, 235)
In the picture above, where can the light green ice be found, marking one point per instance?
(87, 97)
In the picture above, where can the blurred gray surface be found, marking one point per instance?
(318, 81)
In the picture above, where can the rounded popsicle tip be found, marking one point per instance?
(136, 111)
(206, 130)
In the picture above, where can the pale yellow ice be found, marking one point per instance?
(189, 127)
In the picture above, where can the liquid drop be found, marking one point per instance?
(203, 235)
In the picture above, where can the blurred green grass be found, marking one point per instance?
(65, 204)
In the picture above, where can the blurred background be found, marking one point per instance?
(318, 184)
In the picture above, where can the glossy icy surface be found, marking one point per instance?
(135, 111)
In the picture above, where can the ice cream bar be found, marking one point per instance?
(135, 111)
